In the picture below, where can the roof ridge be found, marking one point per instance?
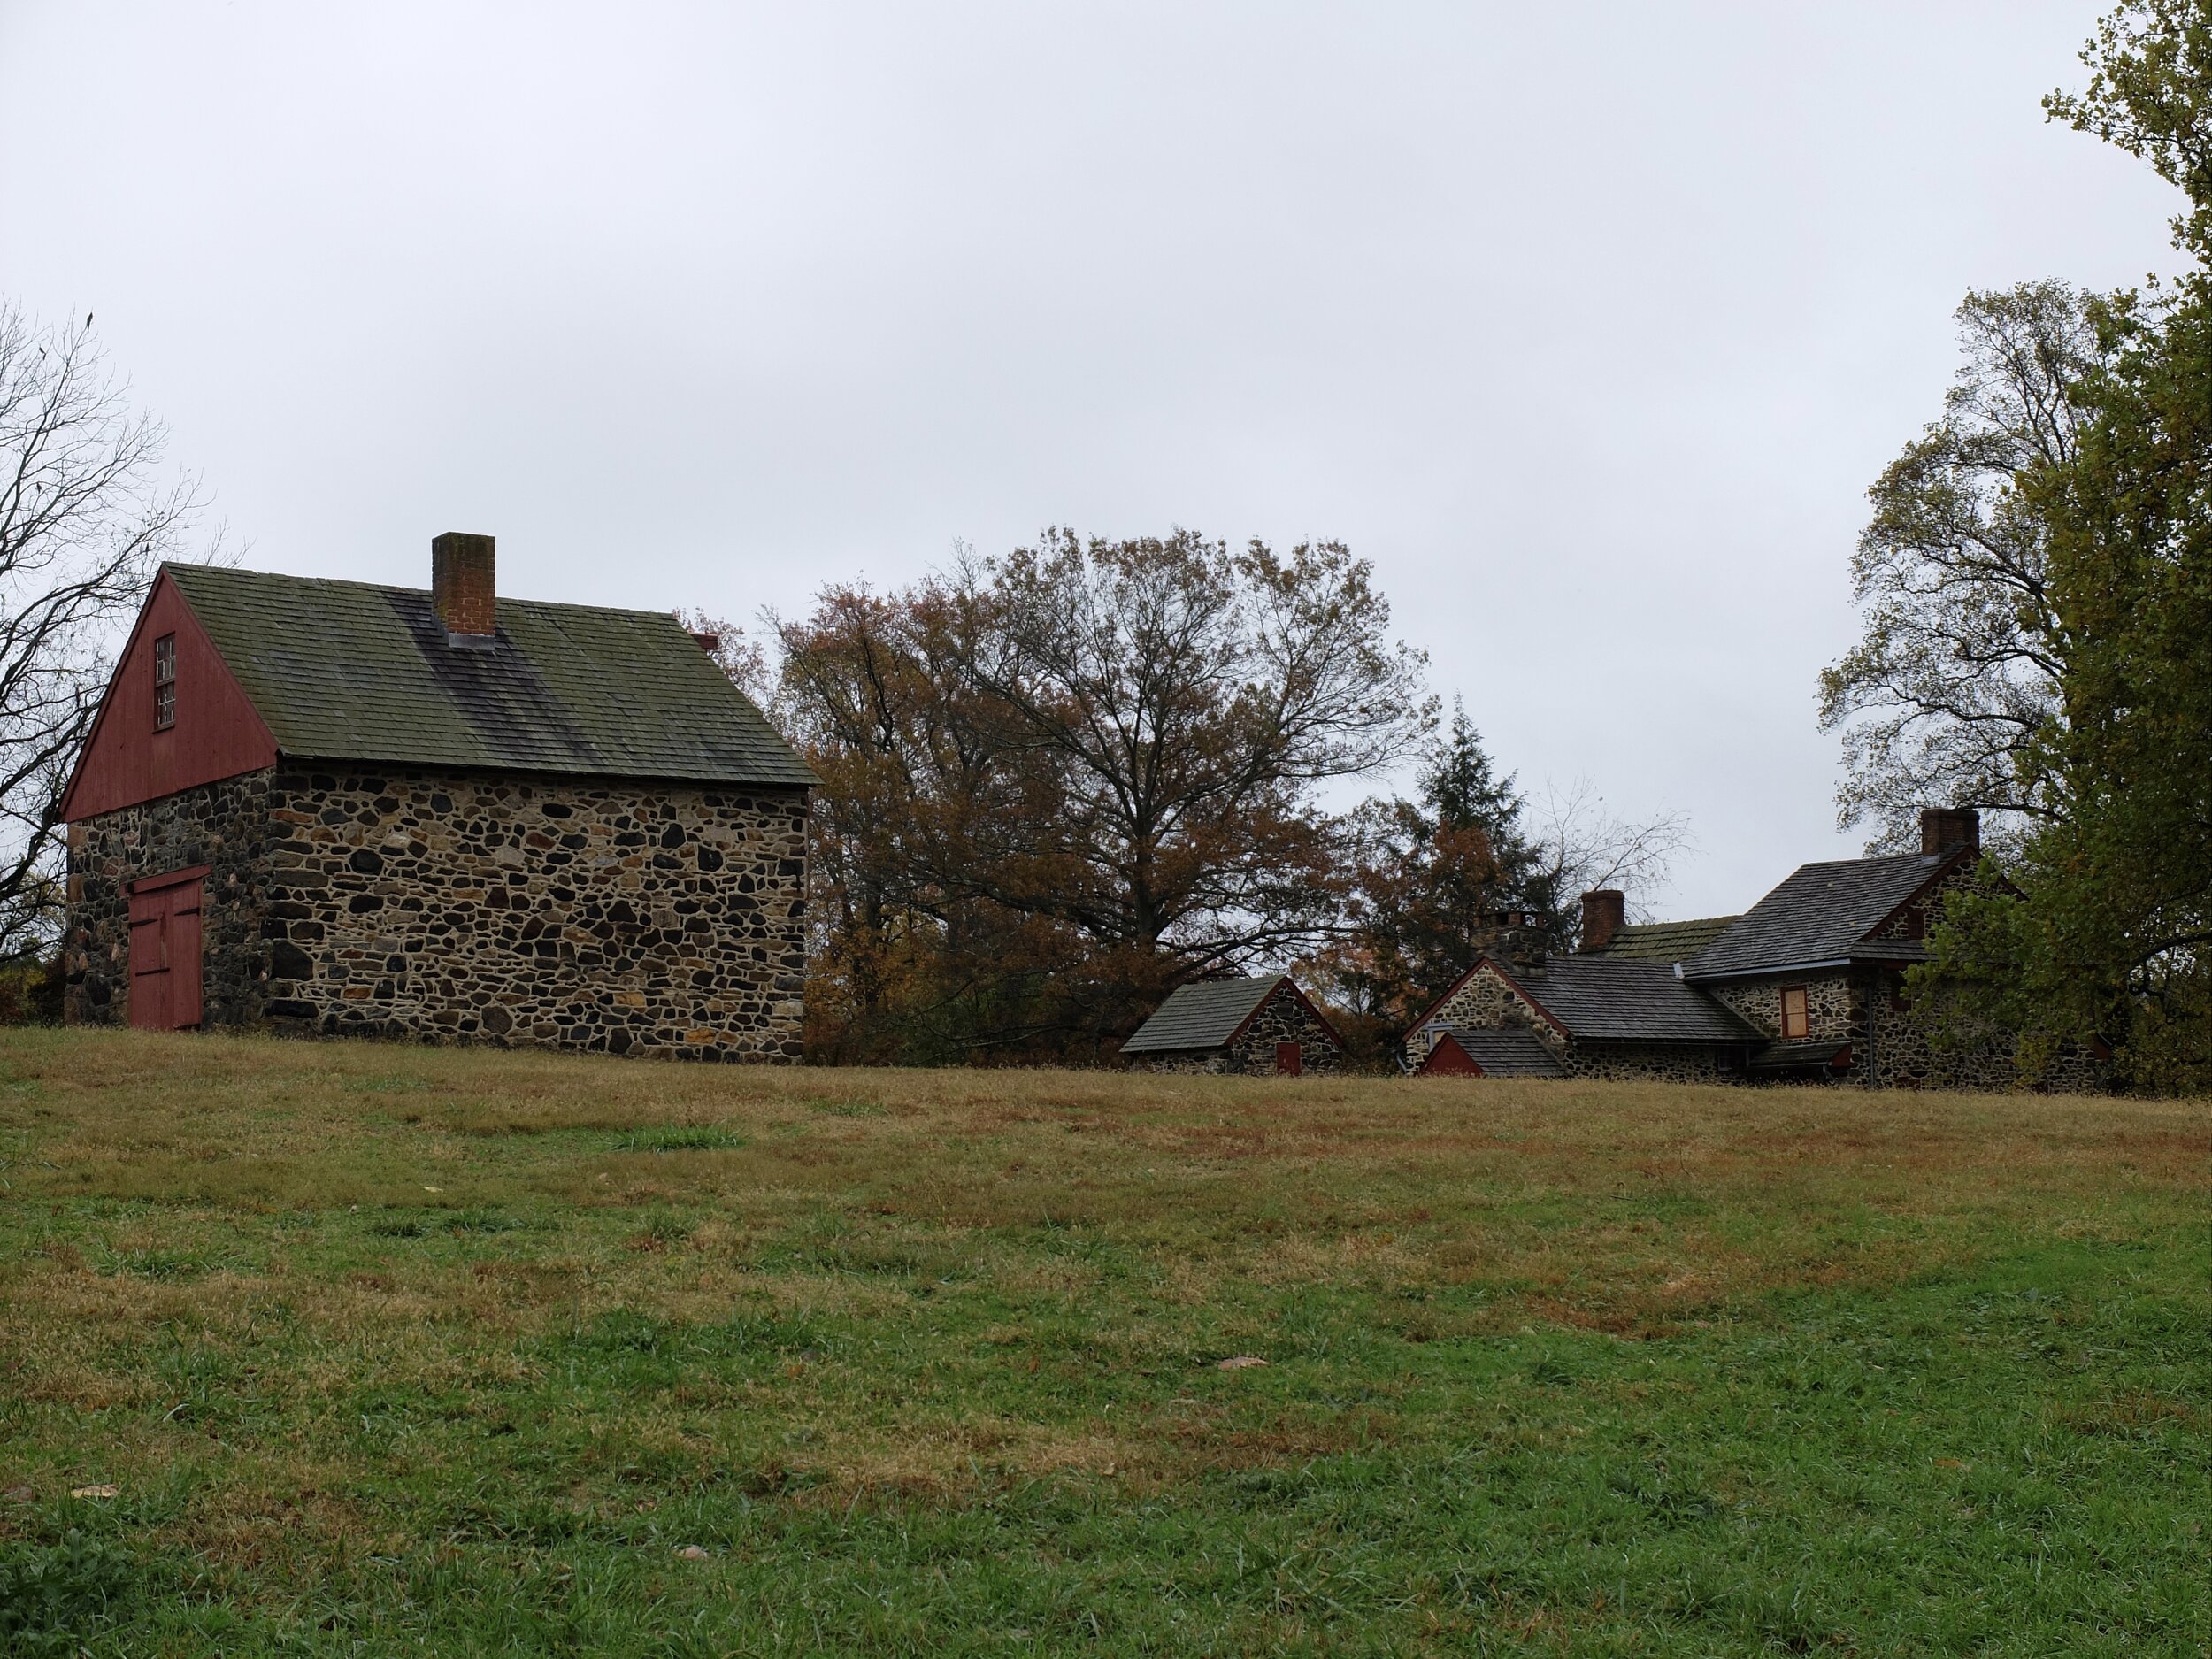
(402, 587)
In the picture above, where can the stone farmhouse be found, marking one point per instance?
(1808, 985)
(328, 807)
(1263, 1026)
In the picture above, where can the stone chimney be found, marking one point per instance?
(462, 589)
(1518, 937)
(1603, 914)
(1943, 828)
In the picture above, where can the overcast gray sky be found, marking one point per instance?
(1588, 325)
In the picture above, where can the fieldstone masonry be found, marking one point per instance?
(1835, 1004)
(1487, 1001)
(223, 826)
(1283, 1017)
(443, 904)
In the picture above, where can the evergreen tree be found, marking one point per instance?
(1428, 871)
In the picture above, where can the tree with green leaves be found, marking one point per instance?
(2104, 932)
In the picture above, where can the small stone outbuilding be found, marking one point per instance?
(1264, 1027)
(333, 808)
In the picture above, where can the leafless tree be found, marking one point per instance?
(1585, 845)
(85, 517)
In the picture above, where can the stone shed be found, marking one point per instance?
(332, 807)
(1264, 1026)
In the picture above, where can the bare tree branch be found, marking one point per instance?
(84, 519)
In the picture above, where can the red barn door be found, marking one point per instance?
(165, 950)
(1289, 1059)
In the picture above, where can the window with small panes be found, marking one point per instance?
(165, 682)
(1797, 1015)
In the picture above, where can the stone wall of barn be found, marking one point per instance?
(443, 904)
(1486, 1001)
(1650, 1062)
(223, 826)
(1905, 1055)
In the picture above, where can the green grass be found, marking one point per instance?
(401, 1351)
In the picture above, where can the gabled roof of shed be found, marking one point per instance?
(1822, 914)
(1204, 1015)
(353, 671)
(1508, 1052)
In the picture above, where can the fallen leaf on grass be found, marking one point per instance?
(1240, 1362)
(94, 1492)
(691, 1552)
(21, 1495)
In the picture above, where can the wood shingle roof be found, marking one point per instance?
(353, 671)
(1506, 1051)
(1821, 915)
(1204, 1015)
(1664, 941)
(1628, 1002)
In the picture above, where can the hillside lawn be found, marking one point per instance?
(393, 1350)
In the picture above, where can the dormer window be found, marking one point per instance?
(165, 682)
(1797, 1021)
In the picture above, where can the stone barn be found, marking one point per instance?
(333, 808)
(1264, 1027)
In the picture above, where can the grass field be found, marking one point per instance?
(388, 1350)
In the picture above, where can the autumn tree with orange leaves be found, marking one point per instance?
(1059, 783)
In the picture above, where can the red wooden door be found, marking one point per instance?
(1288, 1060)
(165, 993)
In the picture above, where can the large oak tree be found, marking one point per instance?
(1062, 780)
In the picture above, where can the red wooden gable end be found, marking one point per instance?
(216, 732)
(1448, 1059)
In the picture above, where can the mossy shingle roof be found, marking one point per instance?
(1664, 941)
(353, 671)
(1201, 1016)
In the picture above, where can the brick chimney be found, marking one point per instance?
(462, 589)
(1943, 828)
(1603, 912)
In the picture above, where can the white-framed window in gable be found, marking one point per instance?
(165, 682)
